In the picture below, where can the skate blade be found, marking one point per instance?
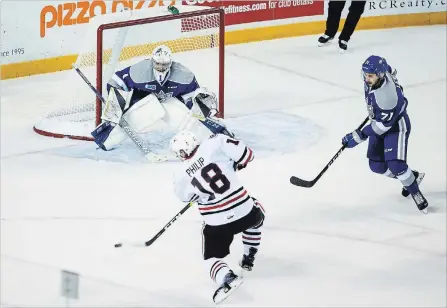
(324, 44)
(222, 295)
(155, 158)
(420, 177)
(241, 272)
(424, 211)
(244, 269)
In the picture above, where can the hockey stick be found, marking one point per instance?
(303, 183)
(133, 135)
(153, 239)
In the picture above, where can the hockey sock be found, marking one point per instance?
(218, 269)
(404, 174)
(251, 238)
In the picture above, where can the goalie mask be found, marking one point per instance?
(161, 62)
(184, 144)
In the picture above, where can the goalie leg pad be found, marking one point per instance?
(179, 117)
(102, 133)
(140, 116)
(144, 113)
(113, 108)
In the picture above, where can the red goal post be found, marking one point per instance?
(125, 42)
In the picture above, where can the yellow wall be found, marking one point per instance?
(318, 27)
(55, 64)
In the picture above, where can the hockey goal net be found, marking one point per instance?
(114, 41)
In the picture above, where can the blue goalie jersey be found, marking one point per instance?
(179, 83)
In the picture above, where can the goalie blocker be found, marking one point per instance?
(198, 117)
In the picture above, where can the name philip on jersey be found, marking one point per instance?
(195, 166)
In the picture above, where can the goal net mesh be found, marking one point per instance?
(193, 40)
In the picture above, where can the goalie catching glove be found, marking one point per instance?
(204, 103)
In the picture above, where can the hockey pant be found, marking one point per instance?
(387, 155)
(216, 240)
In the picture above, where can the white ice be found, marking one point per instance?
(351, 240)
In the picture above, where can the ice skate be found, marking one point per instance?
(247, 260)
(419, 177)
(231, 283)
(421, 202)
(342, 46)
(324, 40)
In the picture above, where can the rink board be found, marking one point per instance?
(29, 49)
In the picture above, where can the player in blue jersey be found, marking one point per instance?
(157, 89)
(158, 75)
(389, 128)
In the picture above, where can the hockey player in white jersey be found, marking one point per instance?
(157, 89)
(208, 176)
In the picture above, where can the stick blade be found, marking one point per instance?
(126, 244)
(302, 183)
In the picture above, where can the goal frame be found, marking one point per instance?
(149, 20)
(99, 36)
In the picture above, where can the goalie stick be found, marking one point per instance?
(303, 183)
(133, 135)
(154, 238)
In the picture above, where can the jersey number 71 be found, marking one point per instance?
(386, 116)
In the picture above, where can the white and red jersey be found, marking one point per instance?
(210, 176)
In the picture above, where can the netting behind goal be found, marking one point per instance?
(114, 41)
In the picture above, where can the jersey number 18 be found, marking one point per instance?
(212, 180)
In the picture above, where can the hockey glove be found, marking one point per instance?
(353, 139)
(238, 167)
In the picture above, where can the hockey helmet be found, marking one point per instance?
(161, 62)
(375, 65)
(184, 144)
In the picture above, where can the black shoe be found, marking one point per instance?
(420, 201)
(342, 46)
(419, 177)
(247, 261)
(324, 40)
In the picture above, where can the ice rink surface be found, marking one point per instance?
(351, 240)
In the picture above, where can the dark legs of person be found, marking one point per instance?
(356, 10)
